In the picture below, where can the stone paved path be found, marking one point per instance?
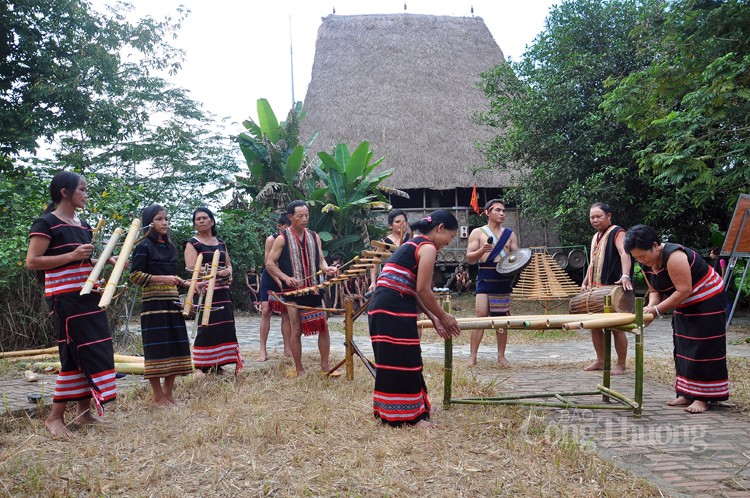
(684, 455)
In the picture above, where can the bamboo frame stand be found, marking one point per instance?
(350, 316)
(562, 399)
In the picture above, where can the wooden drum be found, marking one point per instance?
(592, 300)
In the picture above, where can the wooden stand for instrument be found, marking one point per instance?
(563, 399)
(351, 347)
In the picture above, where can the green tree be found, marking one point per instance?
(88, 84)
(690, 105)
(548, 108)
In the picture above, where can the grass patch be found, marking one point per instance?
(266, 435)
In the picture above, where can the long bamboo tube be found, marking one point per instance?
(103, 257)
(375, 254)
(379, 244)
(29, 352)
(131, 368)
(126, 358)
(210, 291)
(122, 259)
(36, 357)
(600, 323)
(532, 321)
(188, 308)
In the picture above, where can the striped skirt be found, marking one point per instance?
(400, 395)
(216, 343)
(166, 347)
(700, 350)
(86, 352)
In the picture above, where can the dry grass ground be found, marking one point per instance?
(264, 435)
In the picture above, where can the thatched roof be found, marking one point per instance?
(405, 83)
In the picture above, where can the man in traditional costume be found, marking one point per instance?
(487, 246)
(610, 265)
(294, 259)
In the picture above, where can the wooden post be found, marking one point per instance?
(348, 338)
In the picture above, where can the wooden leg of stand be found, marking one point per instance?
(348, 335)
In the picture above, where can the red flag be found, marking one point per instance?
(474, 199)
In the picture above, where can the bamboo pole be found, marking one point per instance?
(29, 352)
(607, 364)
(122, 259)
(208, 302)
(448, 367)
(103, 257)
(188, 308)
(638, 395)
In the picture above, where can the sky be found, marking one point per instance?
(239, 51)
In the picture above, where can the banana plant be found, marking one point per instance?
(276, 161)
(343, 192)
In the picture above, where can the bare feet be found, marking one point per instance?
(199, 374)
(425, 424)
(288, 353)
(161, 402)
(263, 356)
(175, 401)
(680, 401)
(503, 362)
(294, 374)
(57, 428)
(697, 406)
(472, 360)
(597, 365)
(86, 418)
(618, 369)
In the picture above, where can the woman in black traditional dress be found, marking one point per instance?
(60, 245)
(216, 344)
(165, 339)
(399, 226)
(403, 288)
(681, 281)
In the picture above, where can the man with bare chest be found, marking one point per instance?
(488, 245)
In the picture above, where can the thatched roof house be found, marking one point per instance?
(407, 84)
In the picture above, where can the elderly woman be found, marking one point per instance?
(681, 281)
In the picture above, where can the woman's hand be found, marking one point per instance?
(625, 282)
(446, 326)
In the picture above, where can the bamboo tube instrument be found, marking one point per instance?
(186, 310)
(103, 257)
(210, 291)
(122, 259)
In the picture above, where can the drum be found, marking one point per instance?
(592, 300)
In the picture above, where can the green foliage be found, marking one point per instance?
(275, 159)
(548, 106)
(86, 83)
(343, 191)
(689, 106)
(341, 188)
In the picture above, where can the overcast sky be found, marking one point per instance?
(239, 51)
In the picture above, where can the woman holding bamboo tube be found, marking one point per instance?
(216, 343)
(680, 281)
(166, 347)
(399, 226)
(403, 288)
(60, 245)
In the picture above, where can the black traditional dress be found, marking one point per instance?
(166, 346)
(86, 353)
(400, 395)
(216, 344)
(699, 328)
